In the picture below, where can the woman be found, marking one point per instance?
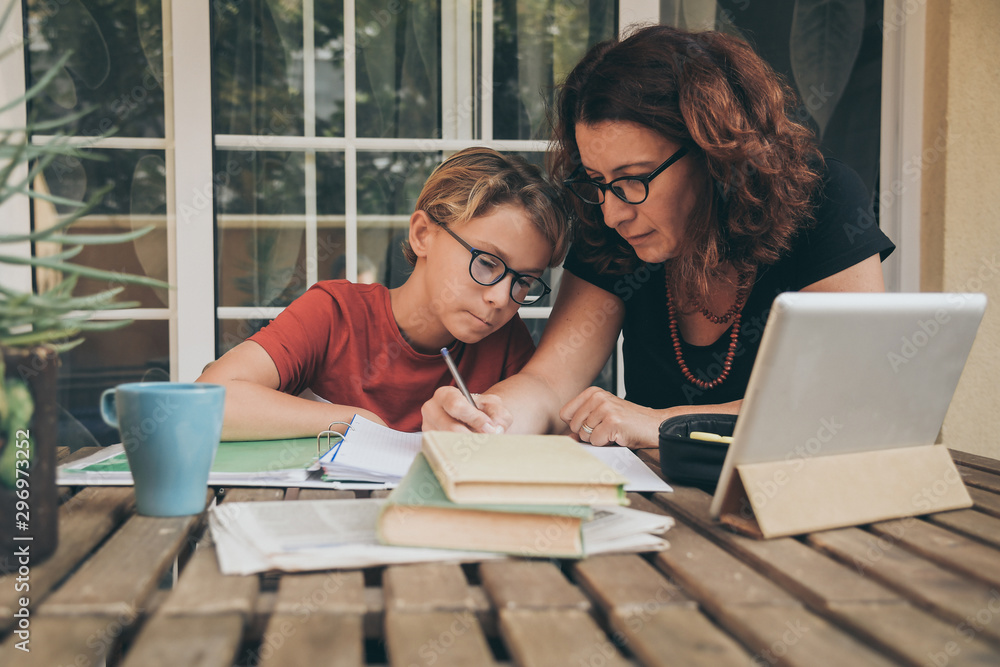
(699, 201)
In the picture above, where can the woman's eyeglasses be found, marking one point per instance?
(488, 269)
(630, 189)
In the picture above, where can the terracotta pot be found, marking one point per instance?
(38, 367)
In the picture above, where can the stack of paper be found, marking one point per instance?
(378, 454)
(305, 535)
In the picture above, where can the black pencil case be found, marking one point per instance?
(691, 462)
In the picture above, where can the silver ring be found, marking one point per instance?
(587, 429)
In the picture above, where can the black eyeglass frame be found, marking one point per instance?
(610, 185)
(476, 253)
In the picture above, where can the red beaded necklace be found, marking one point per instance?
(735, 313)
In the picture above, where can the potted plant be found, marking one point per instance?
(35, 327)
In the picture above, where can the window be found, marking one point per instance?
(322, 122)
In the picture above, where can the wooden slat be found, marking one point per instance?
(55, 640)
(204, 590)
(192, 641)
(975, 461)
(555, 637)
(84, 521)
(767, 619)
(943, 547)
(912, 636)
(627, 584)
(80, 453)
(326, 494)
(810, 576)
(426, 587)
(971, 523)
(794, 636)
(331, 640)
(985, 501)
(950, 595)
(323, 593)
(121, 576)
(670, 636)
(979, 479)
(529, 584)
(708, 573)
(441, 638)
(61, 454)
(241, 494)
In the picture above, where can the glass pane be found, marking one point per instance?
(260, 240)
(328, 36)
(234, 332)
(388, 187)
(257, 67)
(834, 65)
(331, 262)
(137, 199)
(398, 69)
(537, 43)
(138, 353)
(606, 379)
(115, 67)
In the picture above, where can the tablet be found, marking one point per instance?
(839, 373)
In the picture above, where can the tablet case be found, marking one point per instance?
(804, 495)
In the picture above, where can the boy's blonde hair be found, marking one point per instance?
(474, 181)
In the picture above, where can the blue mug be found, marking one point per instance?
(170, 432)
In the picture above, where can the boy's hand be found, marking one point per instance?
(448, 410)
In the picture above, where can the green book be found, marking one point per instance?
(418, 514)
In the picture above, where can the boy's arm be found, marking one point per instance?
(256, 410)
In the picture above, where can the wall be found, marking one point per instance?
(960, 226)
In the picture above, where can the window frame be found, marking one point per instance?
(189, 145)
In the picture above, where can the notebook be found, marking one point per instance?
(841, 374)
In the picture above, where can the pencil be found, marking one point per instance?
(458, 378)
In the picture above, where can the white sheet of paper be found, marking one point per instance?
(624, 462)
(339, 534)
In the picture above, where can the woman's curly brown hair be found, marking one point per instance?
(710, 92)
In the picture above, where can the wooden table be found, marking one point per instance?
(139, 591)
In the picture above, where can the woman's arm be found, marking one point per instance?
(579, 337)
(256, 410)
(614, 420)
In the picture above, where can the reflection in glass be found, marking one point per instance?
(137, 199)
(398, 69)
(388, 187)
(116, 65)
(331, 244)
(537, 43)
(260, 242)
(257, 67)
(138, 353)
(328, 37)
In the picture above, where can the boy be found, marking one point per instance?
(486, 226)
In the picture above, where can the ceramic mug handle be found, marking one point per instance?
(109, 409)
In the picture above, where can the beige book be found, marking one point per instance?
(524, 469)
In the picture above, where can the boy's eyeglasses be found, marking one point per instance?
(488, 269)
(630, 189)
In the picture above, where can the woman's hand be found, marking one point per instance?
(599, 418)
(449, 410)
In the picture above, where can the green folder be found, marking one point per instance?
(238, 457)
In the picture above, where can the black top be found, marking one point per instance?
(843, 234)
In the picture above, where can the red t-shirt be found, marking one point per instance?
(340, 340)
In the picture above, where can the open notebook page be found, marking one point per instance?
(372, 450)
